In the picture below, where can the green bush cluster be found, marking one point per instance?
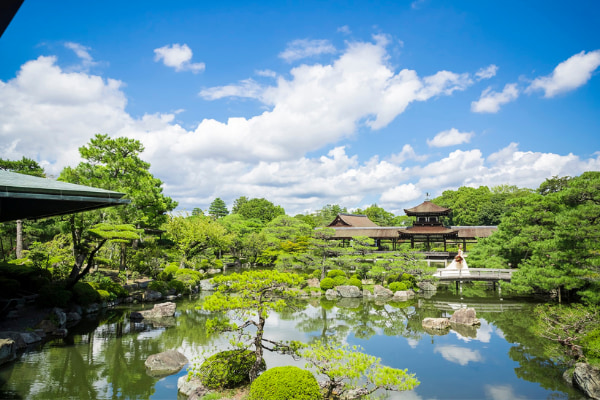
(339, 280)
(335, 272)
(354, 281)
(408, 279)
(285, 383)
(30, 278)
(173, 277)
(396, 286)
(85, 294)
(54, 295)
(591, 346)
(327, 283)
(228, 369)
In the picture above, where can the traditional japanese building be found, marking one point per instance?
(348, 226)
(428, 228)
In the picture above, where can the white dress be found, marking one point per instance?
(457, 267)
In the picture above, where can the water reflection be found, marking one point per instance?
(104, 359)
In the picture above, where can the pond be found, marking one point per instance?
(104, 358)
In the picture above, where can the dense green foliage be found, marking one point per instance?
(347, 368)
(218, 208)
(285, 383)
(552, 238)
(227, 369)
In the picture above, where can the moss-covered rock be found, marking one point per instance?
(285, 383)
(228, 369)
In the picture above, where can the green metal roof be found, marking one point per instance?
(30, 197)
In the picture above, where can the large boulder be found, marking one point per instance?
(436, 323)
(348, 291)
(587, 379)
(426, 286)
(166, 363)
(465, 316)
(332, 293)
(313, 282)
(8, 350)
(152, 295)
(191, 384)
(380, 291)
(60, 316)
(403, 295)
(207, 285)
(161, 310)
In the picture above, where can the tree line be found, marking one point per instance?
(549, 233)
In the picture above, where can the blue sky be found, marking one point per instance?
(309, 103)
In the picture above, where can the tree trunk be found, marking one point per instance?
(260, 329)
(19, 238)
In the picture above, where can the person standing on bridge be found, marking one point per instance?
(459, 264)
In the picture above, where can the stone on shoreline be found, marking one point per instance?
(166, 363)
(348, 291)
(465, 316)
(587, 379)
(436, 323)
(8, 350)
(403, 295)
(380, 291)
(191, 385)
(161, 310)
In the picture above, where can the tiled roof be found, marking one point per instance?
(352, 220)
(375, 232)
(427, 207)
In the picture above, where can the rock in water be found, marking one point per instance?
(348, 291)
(465, 316)
(436, 323)
(587, 378)
(161, 310)
(166, 363)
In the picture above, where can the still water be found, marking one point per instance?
(104, 359)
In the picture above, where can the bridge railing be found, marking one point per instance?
(475, 273)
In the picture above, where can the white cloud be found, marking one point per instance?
(502, 392)
(459, 355)
(83, 53)
(246, 88)
(303, 48)
(451, 137)
(344, 29)
(47, 113)
(486, 73)
(178, 56)
(490, 101)
(568, 75)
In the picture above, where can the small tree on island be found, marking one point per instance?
(251, 296)
(352, 374)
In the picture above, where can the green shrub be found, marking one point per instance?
(316, 273)
(591, 345)
(159, 286)
(228, 369)
(178, 286)
(105, 295)
(285, 383)
(112, 287)
(9, 287)
(335, 272)
(171, 269)
(85, 294)
(410, 279)
(54, 295)
(396, 286)
(339, 280)
(327, 283)
(355, 282)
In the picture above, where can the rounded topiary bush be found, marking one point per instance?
(228, 369)
(396, 286)
(591, 345)
(335, 272)
(339, 280)
(327, 283)
(283, 383)
(85, 294)
(355, 282)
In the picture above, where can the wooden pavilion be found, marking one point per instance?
(428, 228)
